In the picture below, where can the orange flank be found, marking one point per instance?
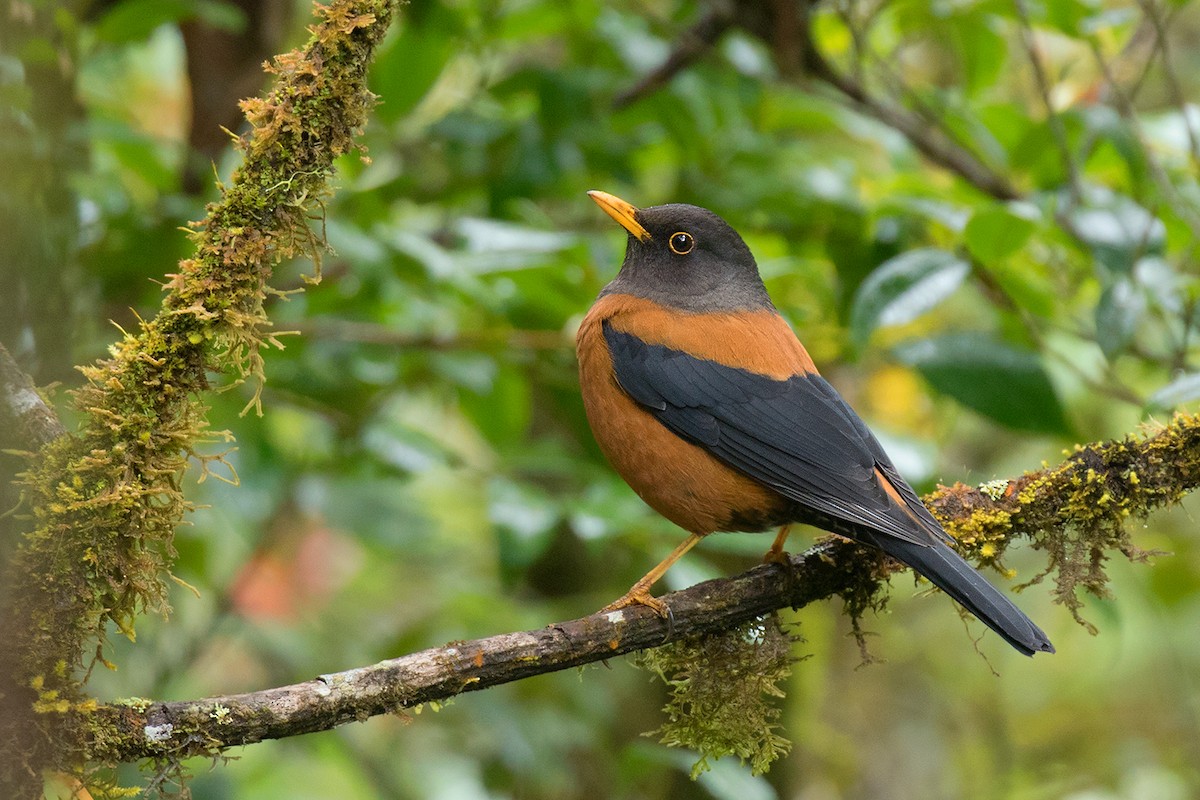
(681, 481)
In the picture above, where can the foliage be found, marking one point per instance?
(424, 472)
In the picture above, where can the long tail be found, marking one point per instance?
(948, 571)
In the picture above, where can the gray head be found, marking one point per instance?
(685, 257)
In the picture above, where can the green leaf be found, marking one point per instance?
(1067, 16)
(1184, 389)
(1037, 153)
(995, 233)
(134, 20)
(1119, 230)
(408, 65)
(1001, 382)
(502, 411)
(1029, 285)
(1162, 283)
(525, 517)
(982, 52)
(1108, 18)
(1122, 306)
(903, 288)
(1114, 135)
(220, 14)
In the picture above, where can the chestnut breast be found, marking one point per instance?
(676, 478)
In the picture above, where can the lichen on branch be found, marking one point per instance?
(1077, 511)
(104, 501)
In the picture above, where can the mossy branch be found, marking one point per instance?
(104, 502)
(1075, 511)
(26, 420)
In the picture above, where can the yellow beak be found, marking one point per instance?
(622, 212)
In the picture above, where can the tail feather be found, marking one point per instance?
(948, 571)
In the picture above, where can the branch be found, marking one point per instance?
(932, 143)
(1182, 205)
(344, 330)
(27, 421)
(1153, 13)
(788, 33)
(1075, 512)
(1053, 119)
(180, 729)
(691, 45)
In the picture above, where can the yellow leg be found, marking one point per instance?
(639, 593)
(776, 555)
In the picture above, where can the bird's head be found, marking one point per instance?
(684, 257)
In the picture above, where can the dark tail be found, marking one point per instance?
(948, 571)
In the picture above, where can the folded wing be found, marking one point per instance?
(799, 437)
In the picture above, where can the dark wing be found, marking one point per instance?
(800, 438)
(797, 436)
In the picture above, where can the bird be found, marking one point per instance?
(703, 399)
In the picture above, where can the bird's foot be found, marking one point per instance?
(638, 596)
(777, 555)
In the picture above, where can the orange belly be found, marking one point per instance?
(676, 478)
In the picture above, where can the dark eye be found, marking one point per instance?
(681, 243)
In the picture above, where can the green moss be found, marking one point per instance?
(723, 692)
(1077, 511)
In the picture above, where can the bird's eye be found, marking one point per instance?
(681, 243)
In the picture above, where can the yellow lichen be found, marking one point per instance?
(1076, 511)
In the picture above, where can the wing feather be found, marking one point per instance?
(797, 435)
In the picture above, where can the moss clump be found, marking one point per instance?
(722, 691)
(1077, 511)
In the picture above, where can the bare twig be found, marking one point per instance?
(787, 32)
(1052, 117)
(1152, 12)
(1142, 44)
(934, 144)
(1180, 204)
(372, 333)
(894, 81)
(691, 45)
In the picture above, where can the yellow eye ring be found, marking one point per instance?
(681, 243)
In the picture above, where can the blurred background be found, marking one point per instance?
(982, 218)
